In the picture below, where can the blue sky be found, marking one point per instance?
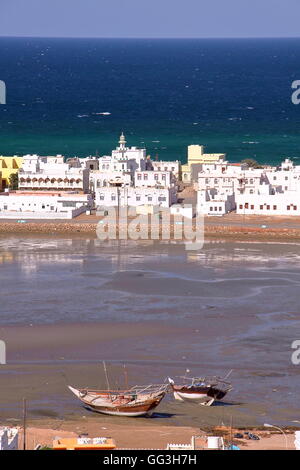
(150, 18)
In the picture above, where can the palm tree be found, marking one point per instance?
(14, 181)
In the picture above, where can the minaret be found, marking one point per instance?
(122, 142)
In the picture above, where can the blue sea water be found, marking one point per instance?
(231, 95)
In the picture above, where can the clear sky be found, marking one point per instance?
(150, 18)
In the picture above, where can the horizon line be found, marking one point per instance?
(147, 37)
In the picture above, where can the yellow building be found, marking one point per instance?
(197, 156)
(84, 443)
(8, 166)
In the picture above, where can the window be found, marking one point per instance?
(149, 198)
(139, 176)
(220, 208)
(101, 197)
(156, 177)
(211, 209)
(163, 177)
(252, 206)
(216, 209)
(246, 205)
(295, 208)
(206, 180)
(145, 176)
(274, 208)
(138, 198)
(216, 180)
(286, 178)
(162, 198)
(268, 207)
(274, 178)
(288, 207)
(261, 207)
(113, 197)
(241, 206)
(251, 191)
(251, 180)
(69, 204)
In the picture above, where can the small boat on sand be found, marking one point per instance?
(200, 390)
(136, 401)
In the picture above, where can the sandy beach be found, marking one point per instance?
(136, 436)
(231, 227)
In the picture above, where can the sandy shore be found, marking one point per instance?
(231, 226)
(136, 436)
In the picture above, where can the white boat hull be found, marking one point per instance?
(199, 398)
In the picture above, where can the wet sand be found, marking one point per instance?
(68, 304)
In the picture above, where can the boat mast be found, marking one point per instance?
(126, 377)
(106, 376)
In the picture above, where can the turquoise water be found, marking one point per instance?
(232, 95)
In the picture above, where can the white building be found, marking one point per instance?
(157, 179)
(214, 203)
(52, 173)
(174, 167)
(223, 187)
(124, 159)
(219, 184)
(229, 177)
(268, 201)
(100, 179)
(43, 205)
(9, 438)
(128, 178)
(131, 196)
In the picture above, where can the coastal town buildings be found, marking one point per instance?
(211, 202)
(223, 187)
(43, 204)
(268, 201)
(128, 177)
(172, 166)
(196, 156)
(52, 173)
(133, 197)
(118, 168)
(9, 166)
(156, 179)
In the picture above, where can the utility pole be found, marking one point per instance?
(24, 423)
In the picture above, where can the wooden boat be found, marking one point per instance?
(201, 390)
(136, 401)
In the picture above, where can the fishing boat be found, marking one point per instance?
(200, 390)
(136, 401)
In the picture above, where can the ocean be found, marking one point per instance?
(231, 95)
